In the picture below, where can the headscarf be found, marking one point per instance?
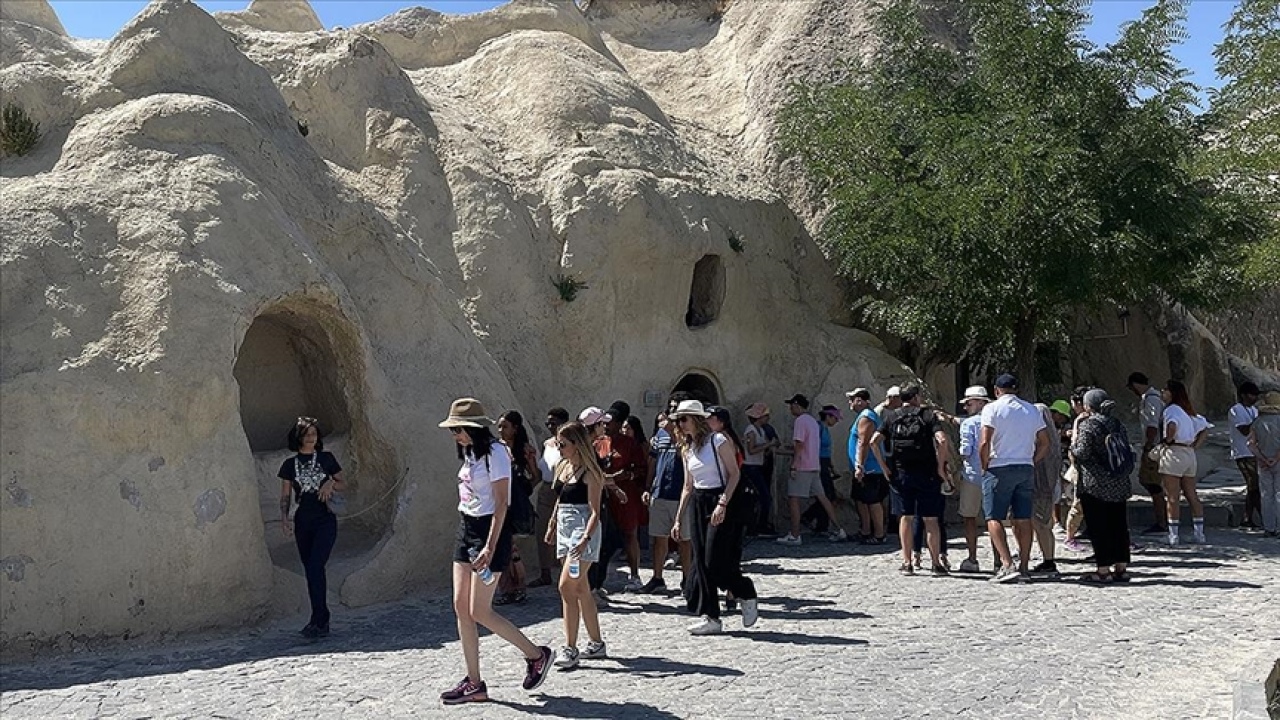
(1097, 400)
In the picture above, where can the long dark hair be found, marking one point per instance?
(481, 439)
(726, 419)
(300, 428)
(1179, 396)
(516, 420)
(637, 429)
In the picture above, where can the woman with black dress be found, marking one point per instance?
(311, 477)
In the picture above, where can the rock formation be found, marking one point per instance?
(233, 221)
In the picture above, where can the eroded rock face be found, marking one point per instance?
(277, 16)
(32, 12)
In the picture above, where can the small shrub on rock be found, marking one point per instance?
(18, 132)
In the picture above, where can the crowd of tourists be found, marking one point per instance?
(1050, 473)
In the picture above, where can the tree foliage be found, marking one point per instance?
(989, 191)
(1244, 119)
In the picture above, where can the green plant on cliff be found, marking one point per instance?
(568, 286)
(18, 132)
(989, 189)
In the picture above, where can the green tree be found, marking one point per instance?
(1244, 117)
(990, 188)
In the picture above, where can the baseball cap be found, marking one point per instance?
(859, 392)
(831, 410)
(798, 399)
(591, 416)
(1007, 381)
(894, 391)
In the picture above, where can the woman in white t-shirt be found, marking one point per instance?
(1182, 431)
(710, 483)
(483, 550)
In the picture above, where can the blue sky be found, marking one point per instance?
(102, 18)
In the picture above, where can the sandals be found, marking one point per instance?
(1120, 577)
(508, 598)
(1097, 578)
(906, 569)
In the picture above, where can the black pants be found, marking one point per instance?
(610, 544)
(815, 512)
(1108, 529)
(315, 534)
(755, 475)
(717, 558)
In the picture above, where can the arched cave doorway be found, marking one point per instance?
(706, 292)
(301, 357)
(700, 386)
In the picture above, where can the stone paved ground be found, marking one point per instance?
(840, 635)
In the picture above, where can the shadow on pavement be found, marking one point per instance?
(400, 629)
(758, 568)
(654, 667)
(785, 638)
(570, 707)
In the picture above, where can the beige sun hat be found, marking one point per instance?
(757, 411)
(466, 412)
(690, 407)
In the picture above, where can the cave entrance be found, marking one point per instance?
(706, 292)
(700, 386)
(302, 357)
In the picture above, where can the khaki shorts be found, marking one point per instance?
(970, 500)
(662, 517)
(1177, 460)
(805, 484)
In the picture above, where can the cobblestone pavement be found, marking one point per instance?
(841, 634)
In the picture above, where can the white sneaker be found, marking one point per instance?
(671, 562)
(1198, 537)
(788, 539)
(706, 626)
(838, 535)
(1173, 537)
(1006, 573)
(595, 651)
(750, 613)
(566, 658)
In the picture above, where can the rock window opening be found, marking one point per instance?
(699, 386)
(706, 293)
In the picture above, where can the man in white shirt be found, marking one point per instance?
(1014, 438)
(1240, 418)
(1150, 410)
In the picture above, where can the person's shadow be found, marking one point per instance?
(656, 667)
(578, 708)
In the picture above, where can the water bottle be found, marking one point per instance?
(574, 566)
(486, 575)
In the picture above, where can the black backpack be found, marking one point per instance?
(911, 439)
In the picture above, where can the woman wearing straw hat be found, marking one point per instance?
(483, 550)
(710, 483)
(1264, 440)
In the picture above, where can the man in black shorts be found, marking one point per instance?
(869, 486)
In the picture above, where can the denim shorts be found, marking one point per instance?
(1011, 486)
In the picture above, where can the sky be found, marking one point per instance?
(103, 18)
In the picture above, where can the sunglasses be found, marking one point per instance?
(562, 444)
(682, 418)
(458, 431)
